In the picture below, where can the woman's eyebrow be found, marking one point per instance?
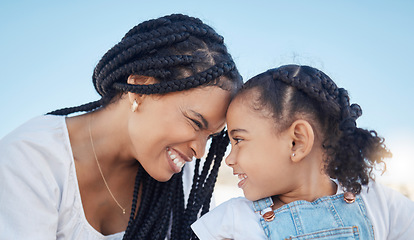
(203, 120)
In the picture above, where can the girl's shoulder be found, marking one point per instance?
(237, 202)
(391, 213)
(380, 194)
(233, 219)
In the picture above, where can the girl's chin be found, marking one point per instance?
(251, 196)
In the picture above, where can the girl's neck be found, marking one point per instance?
(309, 189)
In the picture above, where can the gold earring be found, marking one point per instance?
(134, 106)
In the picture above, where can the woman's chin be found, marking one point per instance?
(162, 176)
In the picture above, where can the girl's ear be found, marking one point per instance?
(303, 137)
(136, 99)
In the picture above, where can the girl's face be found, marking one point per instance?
(169, 130)
(260, 156)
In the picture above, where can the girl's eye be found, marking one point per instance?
(237, 140)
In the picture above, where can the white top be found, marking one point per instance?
(391, 215)
(39, 192)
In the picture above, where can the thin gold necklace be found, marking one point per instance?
(100, 170)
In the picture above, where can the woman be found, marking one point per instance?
(117, 171)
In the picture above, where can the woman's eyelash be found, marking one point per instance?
(213, 135)
(197, 123)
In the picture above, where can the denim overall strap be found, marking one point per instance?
(260, 207)
(329, 217)
(262, 204)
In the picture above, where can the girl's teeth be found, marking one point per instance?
(173, 156)
(176, 161)
(242, 176)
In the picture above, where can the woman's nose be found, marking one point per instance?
(198, 146)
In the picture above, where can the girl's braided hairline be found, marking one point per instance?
(159, 48)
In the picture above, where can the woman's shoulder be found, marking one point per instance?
(40, 143)
(43, 125)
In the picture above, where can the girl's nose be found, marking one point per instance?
(230, 159)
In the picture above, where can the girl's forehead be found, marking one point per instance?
(251, 101)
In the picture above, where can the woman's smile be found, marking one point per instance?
(176, 159)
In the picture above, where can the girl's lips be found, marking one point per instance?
(242, 179)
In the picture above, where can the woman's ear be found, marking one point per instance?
(303, 137)
(136, 99)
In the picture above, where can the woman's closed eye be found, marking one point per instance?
(213, 135)
(197, 125)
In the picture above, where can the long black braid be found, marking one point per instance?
(181, 53)
(292, 92)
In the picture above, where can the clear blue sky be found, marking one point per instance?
(48, 51)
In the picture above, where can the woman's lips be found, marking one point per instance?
(176, 159)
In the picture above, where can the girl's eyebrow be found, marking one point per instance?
(201, 117)
(234, 131)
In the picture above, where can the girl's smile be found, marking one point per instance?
(242, 179)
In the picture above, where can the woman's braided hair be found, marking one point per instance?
(181, 53)
(293, 92)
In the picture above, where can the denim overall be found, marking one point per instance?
(326, 218)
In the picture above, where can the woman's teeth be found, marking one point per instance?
(176, 160)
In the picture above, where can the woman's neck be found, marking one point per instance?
(107, 128)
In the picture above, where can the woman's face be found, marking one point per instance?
(259, 156)
(169, 130)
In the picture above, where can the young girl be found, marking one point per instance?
(304, 166)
